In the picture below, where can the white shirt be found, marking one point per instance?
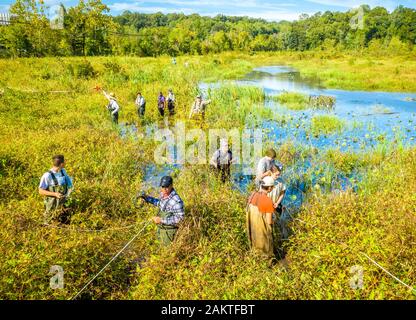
(113, 106)
(140, 101)
(171, 97)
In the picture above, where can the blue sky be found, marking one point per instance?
(268, 9)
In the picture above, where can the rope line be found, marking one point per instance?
(389, 273)
(88, 230)
(37, 91)
(109, 262)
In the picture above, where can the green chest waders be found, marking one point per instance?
(54, 206)
(165, 233)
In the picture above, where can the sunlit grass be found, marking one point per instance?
(211, 258)
(326, 124)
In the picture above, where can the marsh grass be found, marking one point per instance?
(211, 258)
(326, 124)
(293, 100)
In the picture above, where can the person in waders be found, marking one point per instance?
(171, 102)
(221, 161)
(56, 186)
(171, 211)
(199, 107)
(140, 103)
(112, 106)
(277, 195)
(265, 166)
(161, 103)
(278, 192)
(260, 219)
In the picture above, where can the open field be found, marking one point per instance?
(210, 260)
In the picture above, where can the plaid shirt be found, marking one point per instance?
(172, 204)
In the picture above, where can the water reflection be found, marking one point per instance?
(371, 118)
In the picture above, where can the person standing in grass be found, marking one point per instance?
(113, 106)
(171, 211)
(265, 166)
(171, 102)
(140, 104)
(199, 107)
(277, 195)
(221, 161)
(161, 104)
(259, 219)
(56, 186)
(279, 190)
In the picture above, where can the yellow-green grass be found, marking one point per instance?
(211, 257)
(293, 100)
(326, 124)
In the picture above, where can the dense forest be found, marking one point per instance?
(88, 29)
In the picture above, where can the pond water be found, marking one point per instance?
(370, 118)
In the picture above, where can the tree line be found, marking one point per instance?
(87, 29)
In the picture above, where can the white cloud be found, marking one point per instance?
(388, 4)
(200, 6)
(122, 6)
(274, 16)
(137, 6)
(252, 8)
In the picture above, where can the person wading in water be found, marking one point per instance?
(259, 217)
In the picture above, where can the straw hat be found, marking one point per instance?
(268, 181)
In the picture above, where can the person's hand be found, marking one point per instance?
(58, 195)
(275, 205)
(157, 220)
(268, 173)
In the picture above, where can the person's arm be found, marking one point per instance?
(107, 95)
(48, 193)
(269, 211)
(267, 173)
(176, 215)
(269, 218)
(261, 170)
(279, 200)
(43, 188)
(151, 200)
(192, 111)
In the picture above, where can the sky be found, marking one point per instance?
(272, 10)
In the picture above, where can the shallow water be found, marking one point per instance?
(371, 118)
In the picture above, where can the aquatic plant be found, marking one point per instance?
(210, 258)
(293, 100)
(326, 124)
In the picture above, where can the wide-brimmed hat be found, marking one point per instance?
(112, 95)
(267, 181)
